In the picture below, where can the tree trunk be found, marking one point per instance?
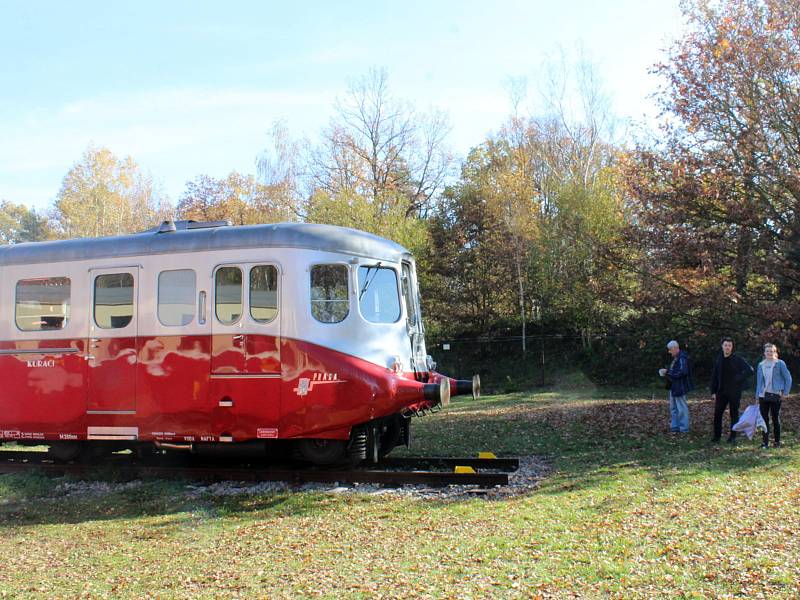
(521, 290)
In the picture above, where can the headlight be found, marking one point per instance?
(396, 365)
(430, 363)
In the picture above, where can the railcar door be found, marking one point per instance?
(245, 361)
(112, 341)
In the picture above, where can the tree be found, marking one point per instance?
(380, 148)
(237, 198)
(716, 204)
(352, 210)
(18, 224)
(467, 290)
(280, 172)
(503, 237)
(103, 195)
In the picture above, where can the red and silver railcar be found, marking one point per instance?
(206, 337)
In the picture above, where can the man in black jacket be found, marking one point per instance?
(728, 379)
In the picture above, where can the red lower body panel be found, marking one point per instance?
(53, 390)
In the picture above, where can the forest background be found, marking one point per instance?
(559, 243)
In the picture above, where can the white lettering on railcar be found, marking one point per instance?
(41, 363)
(306, 385)
(67, 436)
(21, 435)
(268, 433)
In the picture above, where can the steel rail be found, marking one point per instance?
(500, 464)
(125, 465)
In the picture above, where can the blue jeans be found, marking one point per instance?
(679, 411)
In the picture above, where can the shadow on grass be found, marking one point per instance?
(34, 498)
(587, 436)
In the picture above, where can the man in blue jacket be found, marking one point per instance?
(679, 377)
(728, 378)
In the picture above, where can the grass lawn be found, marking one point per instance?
(628, 510)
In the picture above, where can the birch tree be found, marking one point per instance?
(103, 195)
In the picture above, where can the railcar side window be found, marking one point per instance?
(113, 300)
(263, 293)
(42, 304)
(329, 300)
(176, 294)
(378, 296)
(228, 295)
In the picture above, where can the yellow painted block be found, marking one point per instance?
(460, 469)
(486, 455)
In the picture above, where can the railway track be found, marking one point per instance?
(430, 471)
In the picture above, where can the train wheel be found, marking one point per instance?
(322, 452)
(65, 451)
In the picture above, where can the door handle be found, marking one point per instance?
(239, 337)
(88, 357)
(201, 308)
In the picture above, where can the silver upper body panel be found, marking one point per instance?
(310, 236)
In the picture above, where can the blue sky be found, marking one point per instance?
(188, 88)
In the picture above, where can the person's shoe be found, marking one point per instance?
(764, 446)
(732, 440)
(715, 440)
(777, 444)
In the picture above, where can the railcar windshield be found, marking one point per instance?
(378, 296)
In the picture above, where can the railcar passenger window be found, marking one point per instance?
(228, 295)
(176, 294)
(329, 300)
(378, 296)
(263, 293)
(42, 304)
(113, 300)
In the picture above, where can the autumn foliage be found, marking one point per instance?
(714, 204)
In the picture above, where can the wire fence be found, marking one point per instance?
(602, 358)
(503, 364)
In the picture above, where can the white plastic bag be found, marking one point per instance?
(750, 422)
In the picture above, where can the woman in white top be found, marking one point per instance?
(773, 382)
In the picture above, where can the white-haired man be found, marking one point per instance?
(679, 383)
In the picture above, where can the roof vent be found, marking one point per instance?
(171, 226)
(167, 227)
(202, 224)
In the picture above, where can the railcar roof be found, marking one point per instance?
(311, 236)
